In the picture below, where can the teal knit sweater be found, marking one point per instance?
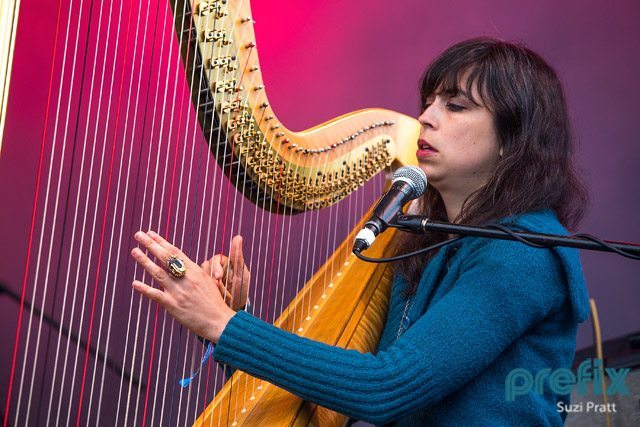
(482, 308)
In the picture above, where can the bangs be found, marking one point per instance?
(445, 77)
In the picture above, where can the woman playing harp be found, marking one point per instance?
(495, 145)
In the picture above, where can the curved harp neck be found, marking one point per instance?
(286, 171)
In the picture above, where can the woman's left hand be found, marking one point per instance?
(194, 299)
(236, 276)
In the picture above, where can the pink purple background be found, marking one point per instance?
(324, 59)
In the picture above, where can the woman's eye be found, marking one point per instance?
(454, 107)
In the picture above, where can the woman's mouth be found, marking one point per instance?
(425, 149)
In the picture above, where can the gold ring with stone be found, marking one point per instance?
(176, 267)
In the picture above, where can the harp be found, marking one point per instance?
(86, 350)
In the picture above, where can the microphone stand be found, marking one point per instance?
(422, 224)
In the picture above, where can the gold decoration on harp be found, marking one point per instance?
(281, 170)
(289, 172)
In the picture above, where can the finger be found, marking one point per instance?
(152, 293)
(152, 246)
(212, 267)
(158, 273)
(223, 260)
(237, 259)
(161, 241)
(217, 266)
(169, 249)
(206, 266)
(224, 292)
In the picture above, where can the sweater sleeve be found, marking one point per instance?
(503, 290)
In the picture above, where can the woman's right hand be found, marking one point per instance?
(236, 276)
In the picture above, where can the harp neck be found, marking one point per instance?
(288, 171)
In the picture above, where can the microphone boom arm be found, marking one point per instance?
(421, 224)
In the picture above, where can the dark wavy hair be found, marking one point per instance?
(536, 170)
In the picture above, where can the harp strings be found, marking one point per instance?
(31, 235)
(148, 220)
(263, 213)
(129, 381)
(191, 56)
(54, 222)
(118, 250)
(103, 226)
(171, 231)
(142, 164)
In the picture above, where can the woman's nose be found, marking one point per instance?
(427, 118)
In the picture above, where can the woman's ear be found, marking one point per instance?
(500, 152)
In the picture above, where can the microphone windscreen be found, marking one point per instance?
(415, 177)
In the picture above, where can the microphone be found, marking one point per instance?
(409, 182)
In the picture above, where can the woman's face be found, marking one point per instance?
(458, 147)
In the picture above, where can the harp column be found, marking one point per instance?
(8, 25)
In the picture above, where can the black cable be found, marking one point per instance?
(585, 236)
(445, 227)
(520, 239)
(408, 255)
(604, 244)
